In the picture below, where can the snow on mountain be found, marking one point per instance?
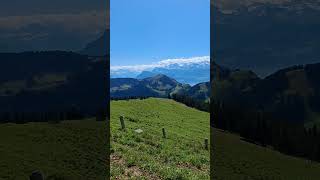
(185, 70)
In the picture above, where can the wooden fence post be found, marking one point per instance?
(164, 133)
(206, 142)
(123, 126)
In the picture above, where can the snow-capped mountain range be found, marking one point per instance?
(185, 70)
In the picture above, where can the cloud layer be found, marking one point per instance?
(161, 64)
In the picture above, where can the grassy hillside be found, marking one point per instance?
(235, 159)
(180, 156)
(72, 150)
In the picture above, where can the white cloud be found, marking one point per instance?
(162, 63)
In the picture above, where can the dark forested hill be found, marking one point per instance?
(280, 110)
(53, 81)
(292, 93)
(156, 86)
(15, 66)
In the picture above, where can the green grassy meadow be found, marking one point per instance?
(234, 159)
(76, 150)
(70, 150)
(148, 155)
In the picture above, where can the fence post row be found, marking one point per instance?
(122, 123)
(164, 133)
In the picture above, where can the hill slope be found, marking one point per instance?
(235, 159)
(156, 86)
(180, 156)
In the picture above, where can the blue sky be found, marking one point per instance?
(147, 31)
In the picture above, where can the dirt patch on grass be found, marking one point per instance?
(132, 171)
(117, 160)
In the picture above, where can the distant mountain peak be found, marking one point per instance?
(161, 81)
(145, 74)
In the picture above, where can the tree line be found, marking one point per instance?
(191, 102)
(184, 99)
(50, 116)
(128, 98)
(269, 129)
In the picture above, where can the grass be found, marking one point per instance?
(72, 150)
(234, 159)
(150, 156)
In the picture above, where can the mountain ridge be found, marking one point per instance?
(157, 86)
(288, 88)
(189, 72)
